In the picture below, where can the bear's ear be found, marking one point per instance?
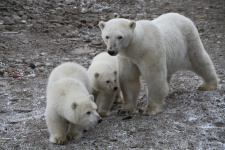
(96, 75)
(115, 72)
(91, 97)
(132, 25)
(74, 105)
(101, 25)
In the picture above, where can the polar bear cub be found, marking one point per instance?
(69, 101)
(155, 50)
(106, 89)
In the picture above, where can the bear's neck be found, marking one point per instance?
(133, 46)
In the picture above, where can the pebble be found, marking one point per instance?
(10, 59)
(26, 41)
(18, 60)
(14, 99)
(28, 94)
(42, 54)
(38, 64)
(96, 43)
(48, 64)
(9, 21)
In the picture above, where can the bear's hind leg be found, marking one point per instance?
(169, 78)
(203, 66)
(129, 84)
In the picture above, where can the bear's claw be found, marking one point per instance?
(60, 140)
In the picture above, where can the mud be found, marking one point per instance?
(36, 36)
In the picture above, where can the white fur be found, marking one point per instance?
(156, 50)
(103, 69)
(69, 100)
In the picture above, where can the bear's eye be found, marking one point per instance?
(88, 112)
(107, 37)
(120, 37)
(107, 81)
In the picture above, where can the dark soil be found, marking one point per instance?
(36, 36)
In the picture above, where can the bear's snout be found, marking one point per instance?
(112, 53)
(99, 120)
(115, 88)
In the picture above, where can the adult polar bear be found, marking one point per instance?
(156, 50)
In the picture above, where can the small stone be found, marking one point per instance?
(28, 94)
(32, 66)
(96, 43)
(38, 64)
(84, 20)
(10, 59)
(18, 61)
(8, 21)
(77, 24)
(71, 35)
(26, 41)
(42, 54)
(48, 64)
(23, 21)
(82, 51)
(1, 73)
(16, 17)
(134, 145)
(14, 99)
(3, 46)
(219, 124)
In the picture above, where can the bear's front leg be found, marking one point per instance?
(57, 130)
(129, 84)
(119, 96)
(75, 131)
(104, 103)
(157, 89)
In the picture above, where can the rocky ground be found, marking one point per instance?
(36, 36)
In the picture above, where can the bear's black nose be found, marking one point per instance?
(100, 120)
(115, 88)
(112, 53)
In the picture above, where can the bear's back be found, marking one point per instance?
(70, 70)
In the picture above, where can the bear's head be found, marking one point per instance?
(85, 112)
(106, 81)
(117, 34)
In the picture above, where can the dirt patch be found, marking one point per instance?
(36, 36)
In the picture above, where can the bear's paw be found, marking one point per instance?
(150, 111)
(74, 136)
(206, 87)
(104, 114)
(125, 112)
